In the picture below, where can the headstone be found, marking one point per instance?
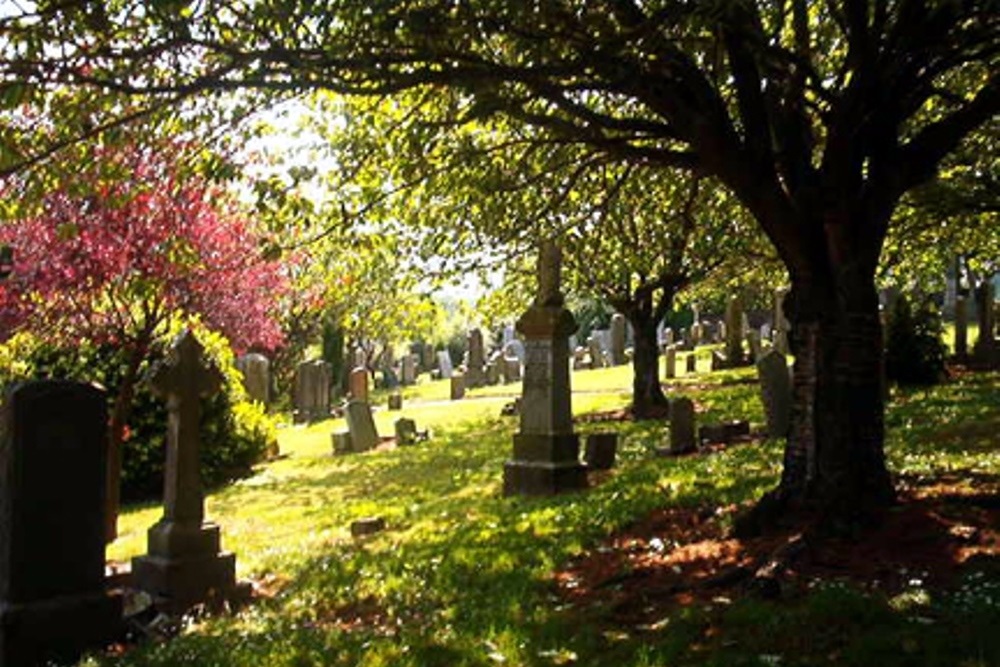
(671, 362)
(511, 369)
(368, 525)
(475, 375)
(53, 459)
(390, 380)
(681, 426)
(256, 370)
(183, 565)
(361, 426)
(581, 358)
(692, 364)
(357, 384)
(723, 433)
(617, 335)
(406, 431)
(718, 360)
(341, 442)
(494, 368)
(961, 328)
(457, 386)
(546, 451)
(696, 334)
(395, 401)
(508, 334)
(734, 331)
(427, 360)
(408, 370)
(596, 351)
(444, 364)
(776, 392)
(312, 391)
(600, 450)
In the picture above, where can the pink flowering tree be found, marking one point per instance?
(113, 256)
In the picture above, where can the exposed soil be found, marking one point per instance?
(681, 556)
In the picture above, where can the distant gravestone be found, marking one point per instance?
(511, 369)
(617, 335)
(692, 364)
(985, 348)
(406, 431)
(53, 458)
(357, 384)
(395, 401)
(256, 370)
(475, 375)
(444, 364)
(361, 426)
(734, 330)
(408, 370)
(596, 351)
(457, 386)
(427, 358)
(183, 566)
(341, 441)
(494, 368)
(961, 328)
(312, 391)
(682, 438)
(697, 334)
(671, 362)
(581, 358)
(776, 392)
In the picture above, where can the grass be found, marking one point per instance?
(463, 576)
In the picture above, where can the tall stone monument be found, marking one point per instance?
(475, 375)
(546, 450)
(617, 334)
(184, 566)
(53, 458)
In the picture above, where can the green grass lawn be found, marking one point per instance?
(463, 576)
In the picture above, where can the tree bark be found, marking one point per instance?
(648, 399)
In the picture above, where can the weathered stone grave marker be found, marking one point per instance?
(312, 390)
(361, 426)
(444, 364)
(357, 383)
(546, 451)
(476, 362)
(53, 460)
(682, 439)
(617, 335)
(457, 386)
(776, 392)
(256, 370)
(184, 565)
(600, 450)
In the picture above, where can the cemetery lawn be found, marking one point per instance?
(637, 570)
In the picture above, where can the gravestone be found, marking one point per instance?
(697, 331)
(781, 324)
(457, 386)
(734, 331)
(312, 391)
(53, 467)
(617, 336)
(256, 370)
(671, 362)
(494, 368)
(511, 369)
(546, 451)
(961, 328)
(408, 370)
(596, 351)
(357, 384)
(444, 364)
(600, 450)
(581, 358)
(184, 566)
(776, 392)
(361, 426)
(682, 438)
(395, 401)
(427, 358)
(341, 442)
(406, 431)
(474, 368)
(692, 364)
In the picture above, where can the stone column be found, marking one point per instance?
(617, 339)
(546, 451)
(184, 566)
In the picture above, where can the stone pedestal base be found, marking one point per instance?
(533, 478)
(184, 567)
(58, 629)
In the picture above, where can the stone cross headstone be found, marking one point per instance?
(357, 383)
(546, 450)
(671, 362)
(444, 364)
(682, 431)
(617, 335)
(776, 392)
(256, 370)
(184, 565)
(361, 426)
(53, 466)
(475, 367)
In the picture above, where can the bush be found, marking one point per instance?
(235, 433)
(915, 351)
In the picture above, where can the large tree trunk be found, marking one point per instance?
(648, 399)
(834, 459)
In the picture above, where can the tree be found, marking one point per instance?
(818, 117)
(112, 261)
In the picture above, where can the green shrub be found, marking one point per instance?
(235, 433)
(915, 351)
